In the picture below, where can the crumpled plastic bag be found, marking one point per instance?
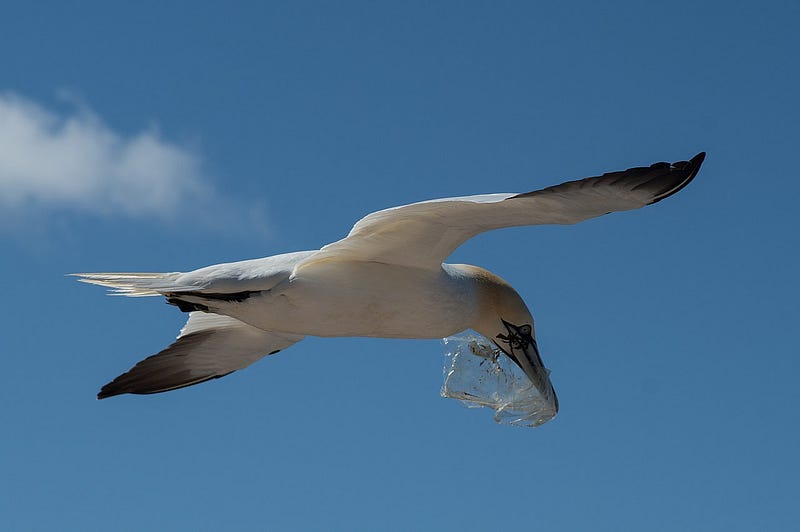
(477, 373)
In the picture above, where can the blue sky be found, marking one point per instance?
(168, 137)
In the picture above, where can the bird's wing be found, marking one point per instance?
(425, 234)
(209, 346)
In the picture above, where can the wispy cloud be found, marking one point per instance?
(74, 161)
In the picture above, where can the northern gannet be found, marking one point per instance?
(386, 279)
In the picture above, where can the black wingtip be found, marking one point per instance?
(688, 170)
(123, 384)
(695, 163)
(108, 391)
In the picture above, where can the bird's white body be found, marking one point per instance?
(385, 279)
(366, 299)
(356, 298)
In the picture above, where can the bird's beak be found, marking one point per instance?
(520, 346)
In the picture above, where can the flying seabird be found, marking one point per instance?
(386, 279)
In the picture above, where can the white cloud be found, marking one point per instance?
(75, 161)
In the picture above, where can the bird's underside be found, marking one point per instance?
(240, 312)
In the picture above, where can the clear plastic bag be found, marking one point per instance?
(477, 373)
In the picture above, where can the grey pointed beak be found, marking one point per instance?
(521, 347)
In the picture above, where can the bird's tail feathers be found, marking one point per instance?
(133, 284)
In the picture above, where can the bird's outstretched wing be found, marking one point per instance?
(208, 347)
(425, 234)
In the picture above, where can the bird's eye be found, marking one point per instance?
(525, 329)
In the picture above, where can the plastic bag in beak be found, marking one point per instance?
(477, 373)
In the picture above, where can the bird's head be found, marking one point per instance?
(504, 318)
